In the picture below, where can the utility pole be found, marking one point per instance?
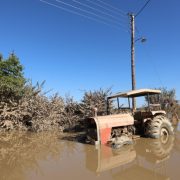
(133, 78)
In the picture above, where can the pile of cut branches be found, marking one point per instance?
(95, 99)
(34, 111)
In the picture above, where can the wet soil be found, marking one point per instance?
(50, 156)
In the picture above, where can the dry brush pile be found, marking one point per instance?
(35, 111)
(95, 99)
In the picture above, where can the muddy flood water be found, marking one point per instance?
(45, 156)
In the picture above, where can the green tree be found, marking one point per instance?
(11, 78)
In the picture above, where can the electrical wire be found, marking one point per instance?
(82, 15)
(110, 10)
(140, 11)
(120, 11)
(154, 66)
(89, 12)
(102, 12)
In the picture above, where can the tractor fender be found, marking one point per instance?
(154, 113)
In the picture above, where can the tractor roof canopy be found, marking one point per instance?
(135, 93)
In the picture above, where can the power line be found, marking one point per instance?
(110, 10)
(124, 13)
(77, 13)
(154, 66)
(137, 29)
(139, 12)
(89, 12)
(107, 14)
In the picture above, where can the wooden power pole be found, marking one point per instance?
(133, 77)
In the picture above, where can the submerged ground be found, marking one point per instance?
(44, 156)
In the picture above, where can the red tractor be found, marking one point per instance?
(149, 121)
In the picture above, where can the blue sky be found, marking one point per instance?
(73, 53)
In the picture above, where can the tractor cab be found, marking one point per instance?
(141, 113)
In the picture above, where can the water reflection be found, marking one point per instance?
(20, 152)
(47, 156)
(177, 139)
(104, 158)
(146, 159)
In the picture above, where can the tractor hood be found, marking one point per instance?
(104, 125)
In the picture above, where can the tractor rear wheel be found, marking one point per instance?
(158, 127)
